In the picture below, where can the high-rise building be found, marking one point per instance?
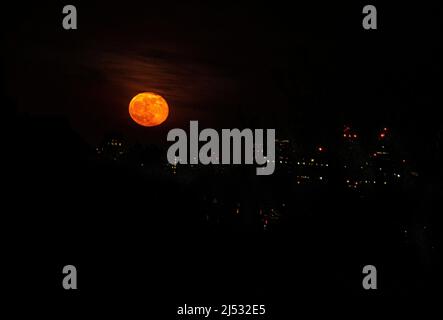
(387, 168)
(112, 148)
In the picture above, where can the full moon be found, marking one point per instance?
(148, 109)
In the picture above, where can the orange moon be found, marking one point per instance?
(148, 109)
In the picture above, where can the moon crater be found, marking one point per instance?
(148, 109)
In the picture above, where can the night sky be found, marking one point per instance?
(305, 70)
